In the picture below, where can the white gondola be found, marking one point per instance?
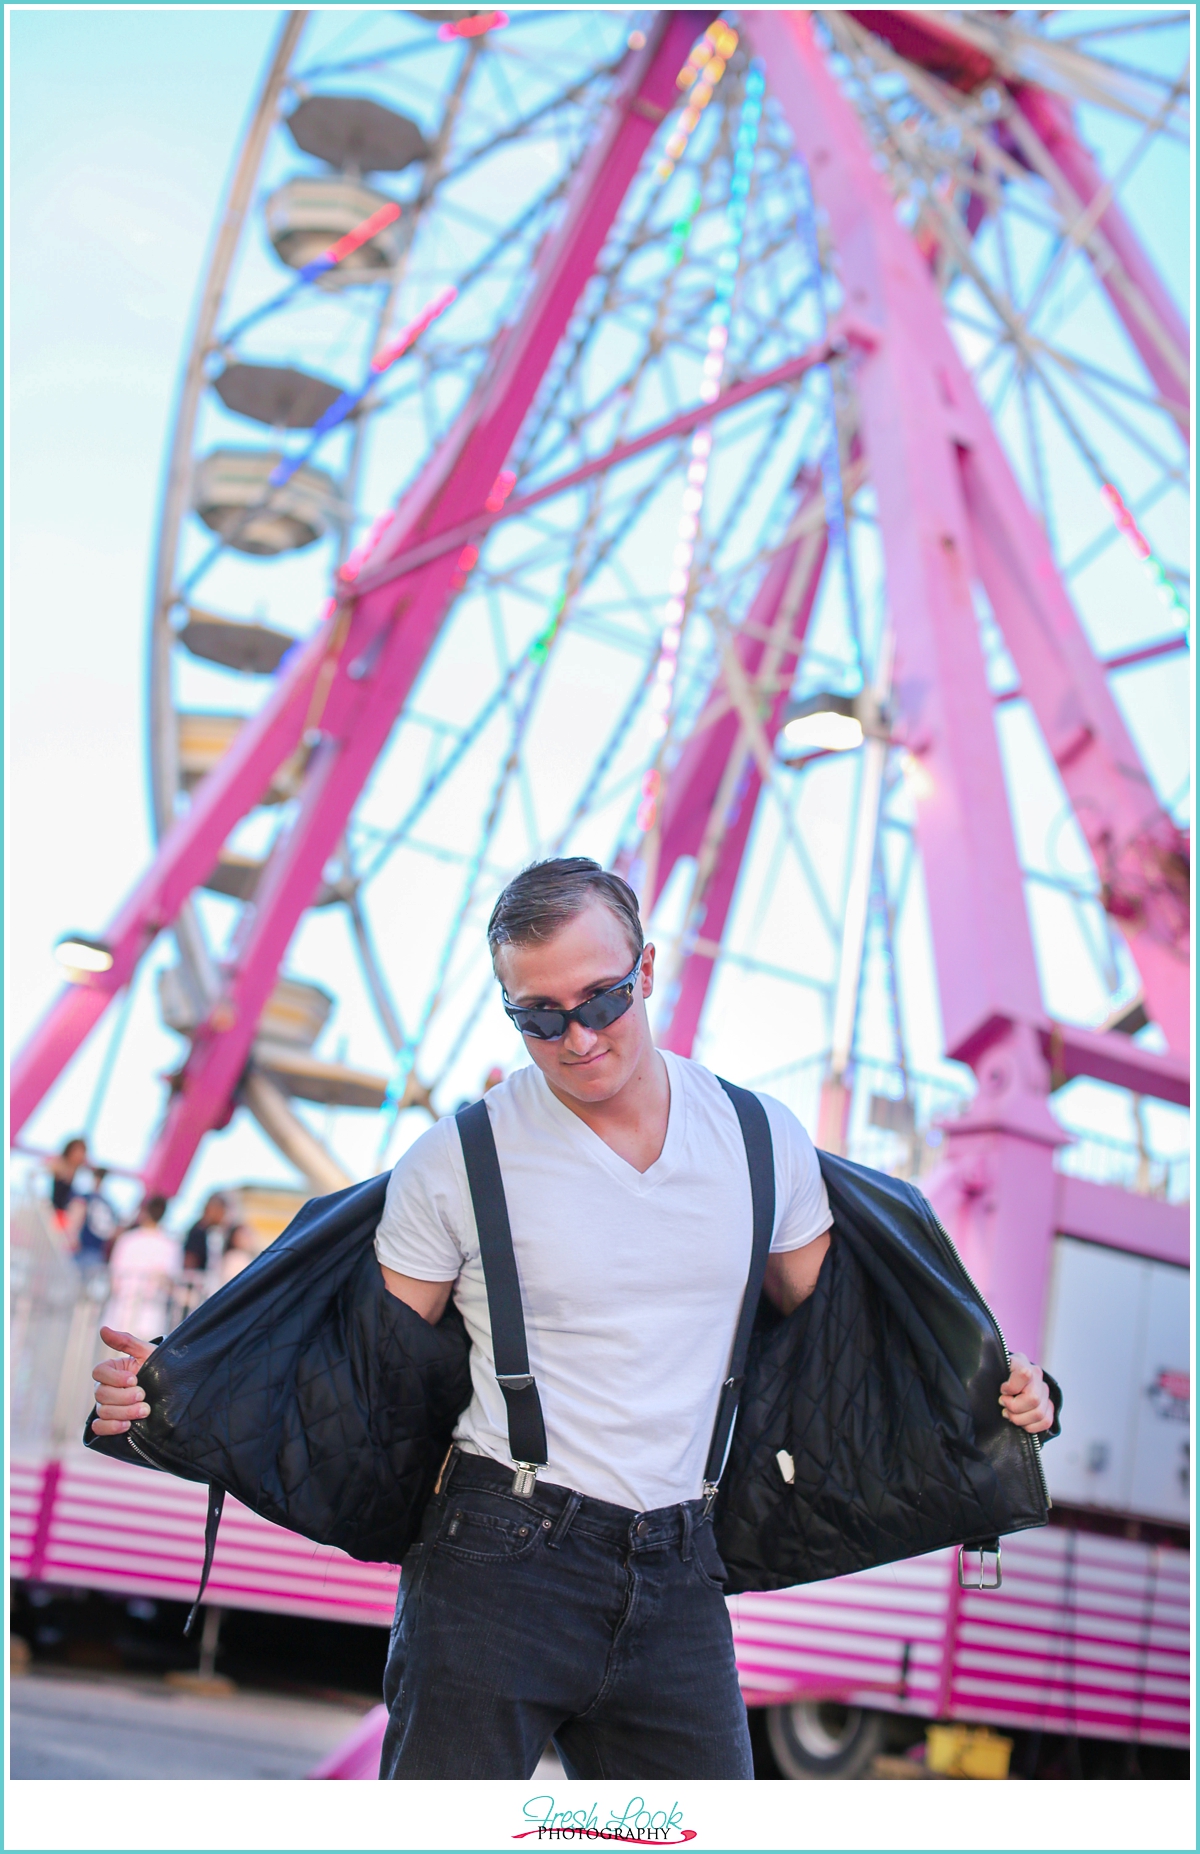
(311, 212)
(232, 494)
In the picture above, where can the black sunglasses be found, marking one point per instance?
(548, 1024)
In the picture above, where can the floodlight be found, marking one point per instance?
(79, 952)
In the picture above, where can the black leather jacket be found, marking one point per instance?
(308, 1391)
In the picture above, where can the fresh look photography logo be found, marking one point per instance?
(635, 1825)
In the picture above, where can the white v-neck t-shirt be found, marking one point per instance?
(631, 1282)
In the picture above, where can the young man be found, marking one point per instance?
(591, 1611)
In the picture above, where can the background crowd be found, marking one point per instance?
(153, 1273)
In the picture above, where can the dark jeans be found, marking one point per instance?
(560, 1617)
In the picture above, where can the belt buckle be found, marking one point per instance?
(985, 1552)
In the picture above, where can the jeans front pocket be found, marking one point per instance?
(710, 1566)
(489, 1529)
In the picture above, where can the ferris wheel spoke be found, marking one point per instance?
(1015, 324)
(381, 998)
(1075, 364)
(1134, 433)
(1078, 232)
(1149, 24)
(580, 88)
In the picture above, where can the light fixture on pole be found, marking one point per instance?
(829, 723)
(82, 954)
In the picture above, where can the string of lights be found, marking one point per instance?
(317, 267)
(674, 611)
(472, 25)
(1127, 524)
(345, 403)
(701, 74)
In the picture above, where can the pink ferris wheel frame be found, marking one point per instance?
(950, 512)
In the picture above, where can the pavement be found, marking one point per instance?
(122, 1726)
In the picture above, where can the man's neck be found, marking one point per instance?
(633, 1122)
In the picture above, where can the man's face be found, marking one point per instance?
(590, 954)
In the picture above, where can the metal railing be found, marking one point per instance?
(912, 1149)
(1120, 1162)
(57, 1310)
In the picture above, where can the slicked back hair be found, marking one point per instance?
(540, 901)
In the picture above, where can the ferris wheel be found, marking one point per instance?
(790, 430)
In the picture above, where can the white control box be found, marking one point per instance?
(1118, 1341)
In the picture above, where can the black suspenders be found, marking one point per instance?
(760, 1157)
(526, 1429)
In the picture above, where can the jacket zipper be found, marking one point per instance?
(148, 1459)
(1031, 1442)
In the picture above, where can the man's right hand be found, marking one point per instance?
(119, 1397)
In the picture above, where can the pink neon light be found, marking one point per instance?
(387, 357)
(1125, 521)
(362, 233)
(466, 560)
(501, 490)
(473, 27)
(354, 560)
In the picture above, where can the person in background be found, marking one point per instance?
(143, 1269)
(97, 1223)
(239, 1253)
(202, 1245)
(62, 1176)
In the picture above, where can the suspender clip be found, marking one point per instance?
(525, 1479)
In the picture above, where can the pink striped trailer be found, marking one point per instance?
(1089, 1634)
(96, 1524)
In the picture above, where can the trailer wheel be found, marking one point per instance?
(816, 1738)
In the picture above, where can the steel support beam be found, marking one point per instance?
(1141, 857)
(950, 512)
(912, 408)
(914, 404)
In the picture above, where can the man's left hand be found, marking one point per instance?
(1025, 1397)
